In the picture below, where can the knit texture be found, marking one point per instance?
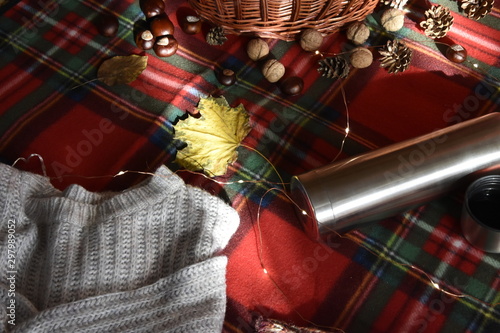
(142, 260)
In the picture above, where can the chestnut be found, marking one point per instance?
(292, 85)
(166, 46)
(191, 24)
(144, 40)
(456, 53)
(227, 77)
(152, 8)
(107, 25)
(161, 25)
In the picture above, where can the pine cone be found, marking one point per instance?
(334, 67)
(477, 9)
(216, 36)
(438, 21)
(396, 56)
(398, 4)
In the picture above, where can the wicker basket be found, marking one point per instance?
(282, 19)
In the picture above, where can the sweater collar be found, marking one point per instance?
(48, 203)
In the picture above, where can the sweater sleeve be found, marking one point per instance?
(190, 300)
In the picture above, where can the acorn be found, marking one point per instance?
(152, 8)
(107, 25)
(161, 25)
(191, 24)
(144, 40)
(227, 77)
(166, 46)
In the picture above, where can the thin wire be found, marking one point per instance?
(347, 127)
(40, 159)
(429, 277)
(261, 259)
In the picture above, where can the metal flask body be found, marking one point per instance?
(351, 193)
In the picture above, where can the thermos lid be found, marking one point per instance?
(481, 214)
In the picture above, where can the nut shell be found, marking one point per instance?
(361, 57)
(358, 33)
(161, 25)
(166, 46)
(273, 70)
(152, 8)
(292, 85)
(392, 19)
(191, 24)
(257, 49)
(456, 53)
(311, 40)
(107, 25)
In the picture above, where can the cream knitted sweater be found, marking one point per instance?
(141, 260)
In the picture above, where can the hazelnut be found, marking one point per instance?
(227, 77)
(273, 70)
(311, 40)
(166, 46)
(358, 33)
(292, 85)
(392, 19)
(456, 53)
(107, 25)
(257, 49)
(191, 24)
(152, 8)
(161, 25)
(144, 40)
(361, 57)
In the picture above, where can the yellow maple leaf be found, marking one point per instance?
(212, 139)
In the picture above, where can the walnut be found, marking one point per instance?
(257, 49)
(358, 33)
(273, 70)
(361, 57)
(311, 40)
(392, 19)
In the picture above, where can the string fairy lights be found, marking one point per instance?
(268, 273)
(413, 269)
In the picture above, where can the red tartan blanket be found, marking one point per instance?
(414, 272)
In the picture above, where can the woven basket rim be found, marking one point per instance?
(282, 19)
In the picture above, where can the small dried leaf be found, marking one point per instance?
(213, 138)
(121, 69)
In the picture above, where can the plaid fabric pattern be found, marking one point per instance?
(411, 273)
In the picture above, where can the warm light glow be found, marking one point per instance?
(435, 285)
(304, 212)
(347, 130)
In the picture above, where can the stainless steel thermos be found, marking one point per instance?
(381, 183)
